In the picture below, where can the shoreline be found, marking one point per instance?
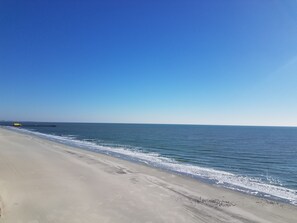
(206, 175)
(45, 181)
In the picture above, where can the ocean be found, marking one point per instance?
(257, 160)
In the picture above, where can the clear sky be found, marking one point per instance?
(159, 61)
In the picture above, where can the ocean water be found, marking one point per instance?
(257, 160)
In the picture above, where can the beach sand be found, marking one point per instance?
(43, 181)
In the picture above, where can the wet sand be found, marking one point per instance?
(43, 181)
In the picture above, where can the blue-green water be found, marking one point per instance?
(257, 160)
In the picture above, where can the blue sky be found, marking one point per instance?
(165, 61)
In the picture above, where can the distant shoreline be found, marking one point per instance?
(139, 123)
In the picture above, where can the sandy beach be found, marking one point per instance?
(43, 181)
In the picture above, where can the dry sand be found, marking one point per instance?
(42, 181)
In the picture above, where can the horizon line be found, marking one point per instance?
(153, 123)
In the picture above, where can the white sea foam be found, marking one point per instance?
(223, 178)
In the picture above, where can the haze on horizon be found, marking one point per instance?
(188, 62)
